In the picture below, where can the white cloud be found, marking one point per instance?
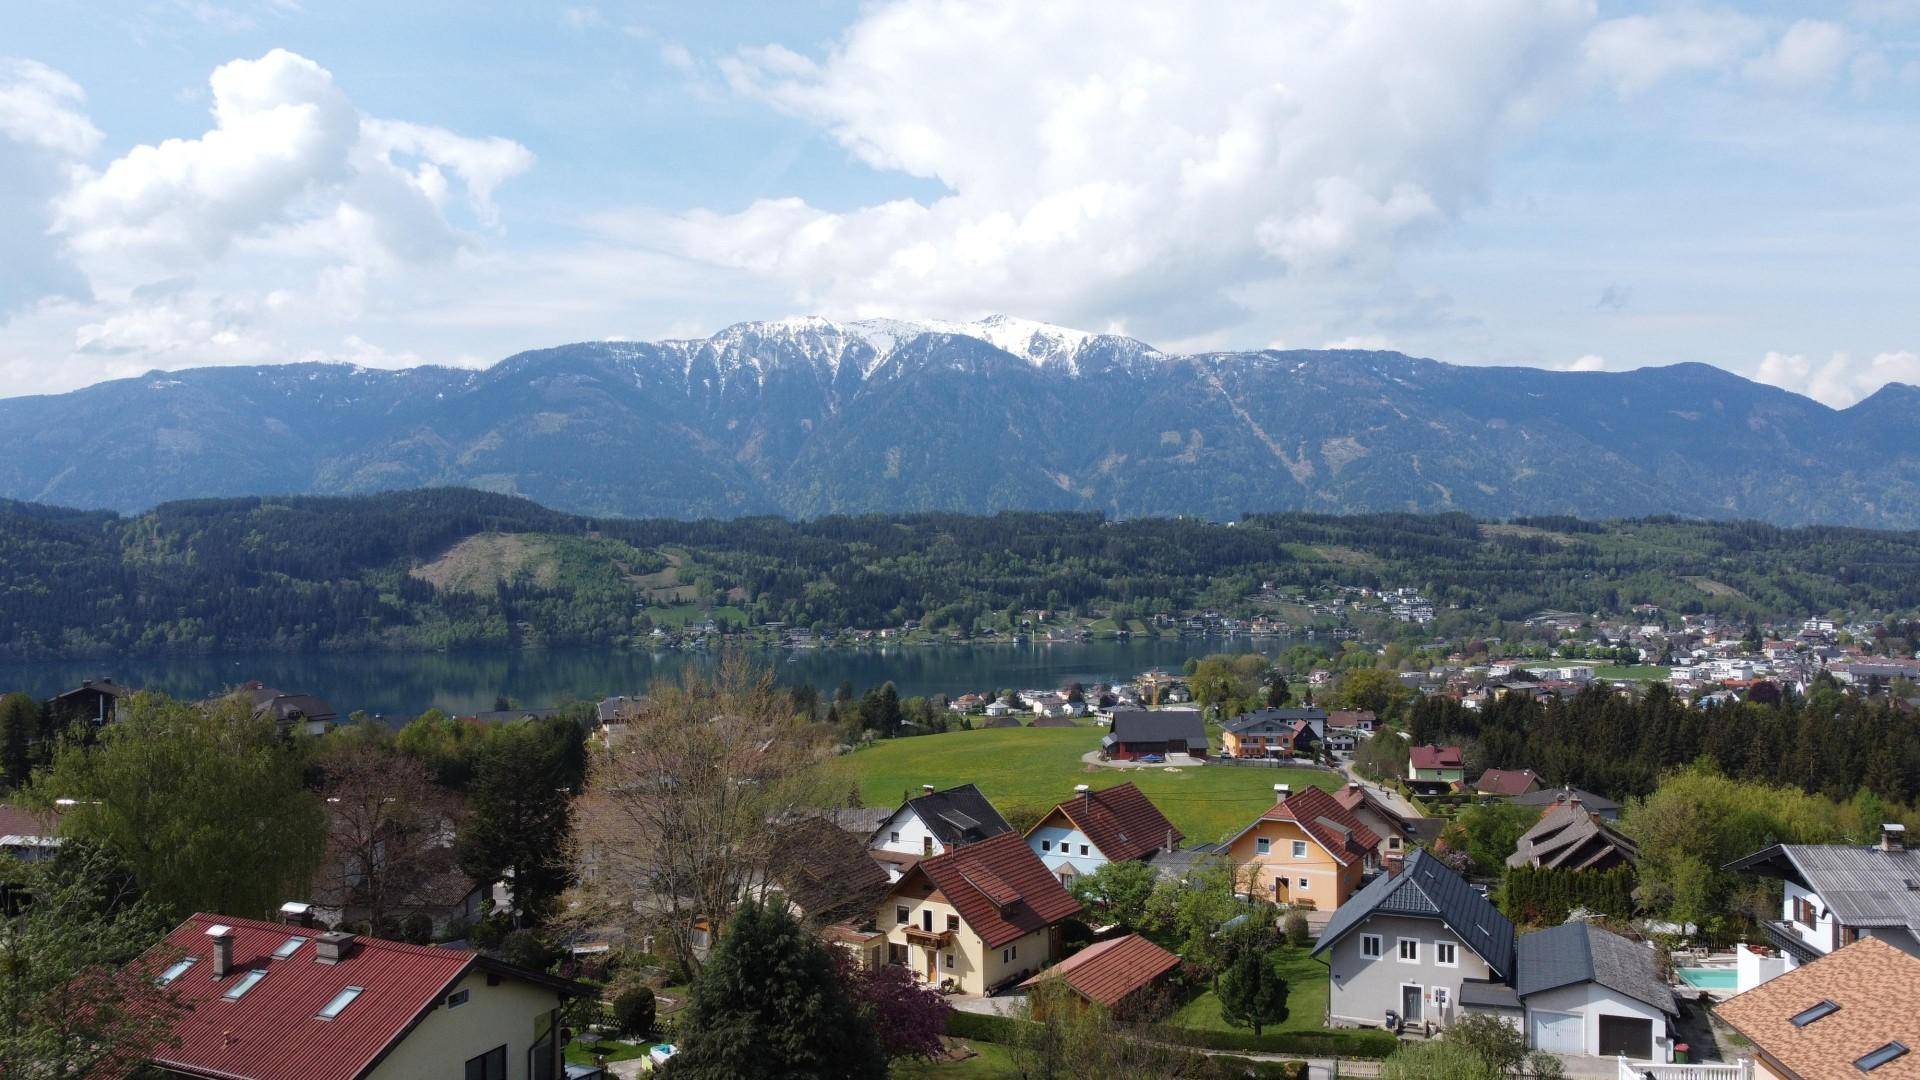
(1589, 362)
(1809, 54)
(44, 136)
(1634, 53)
(1137, 161)
(1840, 380)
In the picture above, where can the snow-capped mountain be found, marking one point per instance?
(811, 416)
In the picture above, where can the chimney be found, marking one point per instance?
(1893, 836)
(332, 947)
(222, 936)
(1280, 792)
(1353, 785)
(296, 913)
(926, 789)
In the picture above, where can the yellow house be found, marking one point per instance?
(980, 916)
(1307, 851)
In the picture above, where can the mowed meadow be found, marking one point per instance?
(1025, 771)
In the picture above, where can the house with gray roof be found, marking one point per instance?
(1139, 732)
(1546, 797)
(1836, 894)
(934, 823)
(1428, 948)
(1586, 991)
(1570, 837)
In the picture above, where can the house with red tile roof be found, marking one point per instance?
(1093, 828)
(980, 916)
(1507, 782)
(275, 1001)
(1396, 833)
(1436, 768)
(1119, 975)
(1307, 850)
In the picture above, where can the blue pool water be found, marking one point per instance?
(1713, 978)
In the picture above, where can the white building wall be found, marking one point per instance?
(1065, 850)
(1592, 1001)
(913, 835)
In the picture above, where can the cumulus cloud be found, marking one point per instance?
(1137, 162)
(1634, 53)
(1840, 379)
(44, 136)
(1809, 54)
(1589, 362)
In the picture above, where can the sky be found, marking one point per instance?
(1556, 183)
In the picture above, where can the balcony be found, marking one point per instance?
(929, 939)
(1786, 937)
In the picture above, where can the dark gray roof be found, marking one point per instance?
(1159, 725)
(1576, 952)
(1599, 804)
(1486, 994)
(1862, 886)
(1428, 888)
(1275, 718)
(959, 815)
(1571, 837)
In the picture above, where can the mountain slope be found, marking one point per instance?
(806, 416)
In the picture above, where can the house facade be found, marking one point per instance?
(980, 917)
(1395, 832)
(1436, 767)
(1305, 851)
(935, 823)
(1138, 733)
(1273, 733)
(1084, 833)
(1834, 895)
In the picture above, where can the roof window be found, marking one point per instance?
(340, 1001)
(1809, 1015)
(172, 973)
(246, 983)
(288, 947)
(1880, 1057)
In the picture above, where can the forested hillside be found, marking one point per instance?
(404, 570)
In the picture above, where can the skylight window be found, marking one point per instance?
(246, 983)
(289, 947)
(340, 1001)
(1809, 1015)
(168, 976)
(1880, 1057)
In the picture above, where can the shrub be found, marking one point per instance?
(633, 1012)
(1294, 926)
(527, 949)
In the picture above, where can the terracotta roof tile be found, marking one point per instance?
(1328, 822)
(1106, 973)
(1001, 888)
(1872, 982)
(1435, 757)
(1121, 821)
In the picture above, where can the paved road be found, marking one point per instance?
(1394, 802)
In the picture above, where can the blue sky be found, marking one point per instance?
(1555, 182)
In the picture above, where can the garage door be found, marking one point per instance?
(1626, 1035)
(1558, 1032)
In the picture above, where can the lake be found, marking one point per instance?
(404, 684)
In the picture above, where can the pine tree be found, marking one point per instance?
(19, 719)
(1252, 992)
(770, 1006)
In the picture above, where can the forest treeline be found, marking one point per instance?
(312, 573)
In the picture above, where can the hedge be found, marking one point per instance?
(1357, 1043)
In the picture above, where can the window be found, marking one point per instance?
(949, 961)
(926, 845)
(1370, 946)
(168, 976)
(893, 837)
(953, 922)
(1013, 951)
(1446, 954)
(1083, 849)
(1046, 845)
(491, 1065)
(345, 998)
(246, 983)
(1809, 1015)
(1803, 912)
(900, 914)
(458, 998)
(1409, 950)
(1393, 843)
(1299, 849)
(1880, 1057)
(288, 947)
(1262, 846)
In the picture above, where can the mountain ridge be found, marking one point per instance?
(807, 416)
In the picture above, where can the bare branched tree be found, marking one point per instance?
(390, 832)
(682, 814)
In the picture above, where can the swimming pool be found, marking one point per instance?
(1710, 978)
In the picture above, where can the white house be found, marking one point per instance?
(934, 823)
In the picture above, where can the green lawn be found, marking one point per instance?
(991, 1063)
(1306, 1000)
(581, 1051)
(1030, 769)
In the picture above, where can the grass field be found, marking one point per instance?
(991, 1063)
(1030, 769)
(1306, 1000)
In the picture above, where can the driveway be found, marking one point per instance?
(1393, 800)
(1174, 761)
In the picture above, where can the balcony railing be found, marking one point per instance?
(1644, 1070)
(932, 939)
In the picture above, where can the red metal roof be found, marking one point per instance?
(1107, 972)
(23, 822)
(1001, 888)
(1329, 823)
(1121, 821)
(1435, 757)
(274, 1031)
(1506, 782)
